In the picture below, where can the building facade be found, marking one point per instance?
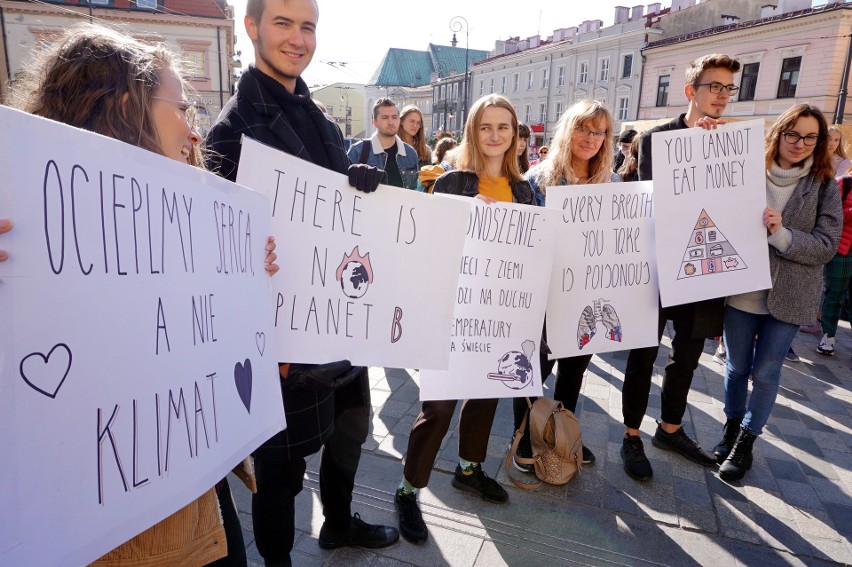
(345, 103)
(200, 32)
(786, 58)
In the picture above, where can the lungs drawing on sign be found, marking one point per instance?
(590, 317)
(708, 251)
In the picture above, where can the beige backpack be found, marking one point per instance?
(557, 444)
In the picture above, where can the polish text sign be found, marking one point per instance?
(603, 288)
(366, 277)
(709, 194)
(499, 306)
(134, 369)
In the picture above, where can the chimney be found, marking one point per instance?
(534, 40)
(638, 12)
(523, 44)
(511, 46)
(794, 5)
(622, 14)
(728, 19)
(653, 8)
(678, 5)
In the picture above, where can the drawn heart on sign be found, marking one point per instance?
(45, 374)
(242, 379)
(260, 341)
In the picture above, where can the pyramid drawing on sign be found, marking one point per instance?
(708, 251)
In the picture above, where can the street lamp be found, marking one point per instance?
(347, 110)
(458, 24)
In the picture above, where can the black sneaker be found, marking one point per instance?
(680, 442)
(588, 457)
(480, 483)
(411, 524)
(358, 533)
(636, 464)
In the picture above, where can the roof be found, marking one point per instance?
(410, 68)
(748, 24)
(197, 8)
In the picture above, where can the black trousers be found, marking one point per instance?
(677, 378)
(280, 480)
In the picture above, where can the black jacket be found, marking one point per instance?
(708, 315)
(466, 183)
(253, 111)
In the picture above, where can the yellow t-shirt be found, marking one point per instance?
(497, 188)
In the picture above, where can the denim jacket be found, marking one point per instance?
(406, 158)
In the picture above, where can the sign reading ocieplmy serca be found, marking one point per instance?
(499, 305)
(709, 195)
(603, 289)
(136, 363)
(365, 277)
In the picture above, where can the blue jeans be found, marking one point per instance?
(756, 346)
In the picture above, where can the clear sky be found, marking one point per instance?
(359, 33)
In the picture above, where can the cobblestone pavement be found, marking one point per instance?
(793, 508)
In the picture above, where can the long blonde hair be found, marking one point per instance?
(558, 166)
(469, 156)
(840, 151)
(418, 140)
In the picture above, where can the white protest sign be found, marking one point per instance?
(603, 288)
(500, 303)
(366, 277)
(133, 369)
(709, 194)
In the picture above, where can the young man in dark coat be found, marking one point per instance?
(709, 85)
(329, 404)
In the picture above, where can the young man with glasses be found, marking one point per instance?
(709, 86)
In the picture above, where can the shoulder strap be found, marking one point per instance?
(365, 151)
(513, 453)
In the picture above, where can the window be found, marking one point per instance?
(529, 80)
(627, 66)
(517, 84)
(542, 112)
(492, 85)
(194, 63)
(561, 77)
(583, 76)
(481, 88)
(503, 85)
(623, 104)
(663, 90)
(558, 110)
(147, 4)
(544, 78)
(603, 75)
(100, 2)
(748, 81)
(527, 113)
(789, 77)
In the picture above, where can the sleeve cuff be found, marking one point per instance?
(782, 239)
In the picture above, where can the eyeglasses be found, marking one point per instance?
(595, 135)
(717, 88)
(544, 153)
(793, 138)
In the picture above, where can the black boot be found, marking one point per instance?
(729, 437)
(739, 461)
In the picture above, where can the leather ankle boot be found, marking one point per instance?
(739, 461)
(729, 437)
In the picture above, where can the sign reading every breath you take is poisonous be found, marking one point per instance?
(709, 195)
(366, 277)
(499, 307)
(134, 365)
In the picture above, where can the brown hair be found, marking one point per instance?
(441, 148)
(558, 166)
(524, 158)
(630, 168)
(418, 140)
(469, 155)
(822, 168)
(712, 61)
(254, 9)
(99, 80)
(380, 103)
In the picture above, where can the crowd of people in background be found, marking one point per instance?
(808, 220)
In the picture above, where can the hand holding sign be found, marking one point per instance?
(5, 226)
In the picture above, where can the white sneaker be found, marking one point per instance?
(720, 356)
(826, 345)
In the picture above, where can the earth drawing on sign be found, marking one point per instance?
(355, 274)
(514, 369)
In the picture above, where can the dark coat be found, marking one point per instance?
(708, 315)
(253, 111)
(466, 183)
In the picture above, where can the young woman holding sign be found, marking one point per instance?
(803, 219)
(581, 154)
(486, 167)
(99, 80)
